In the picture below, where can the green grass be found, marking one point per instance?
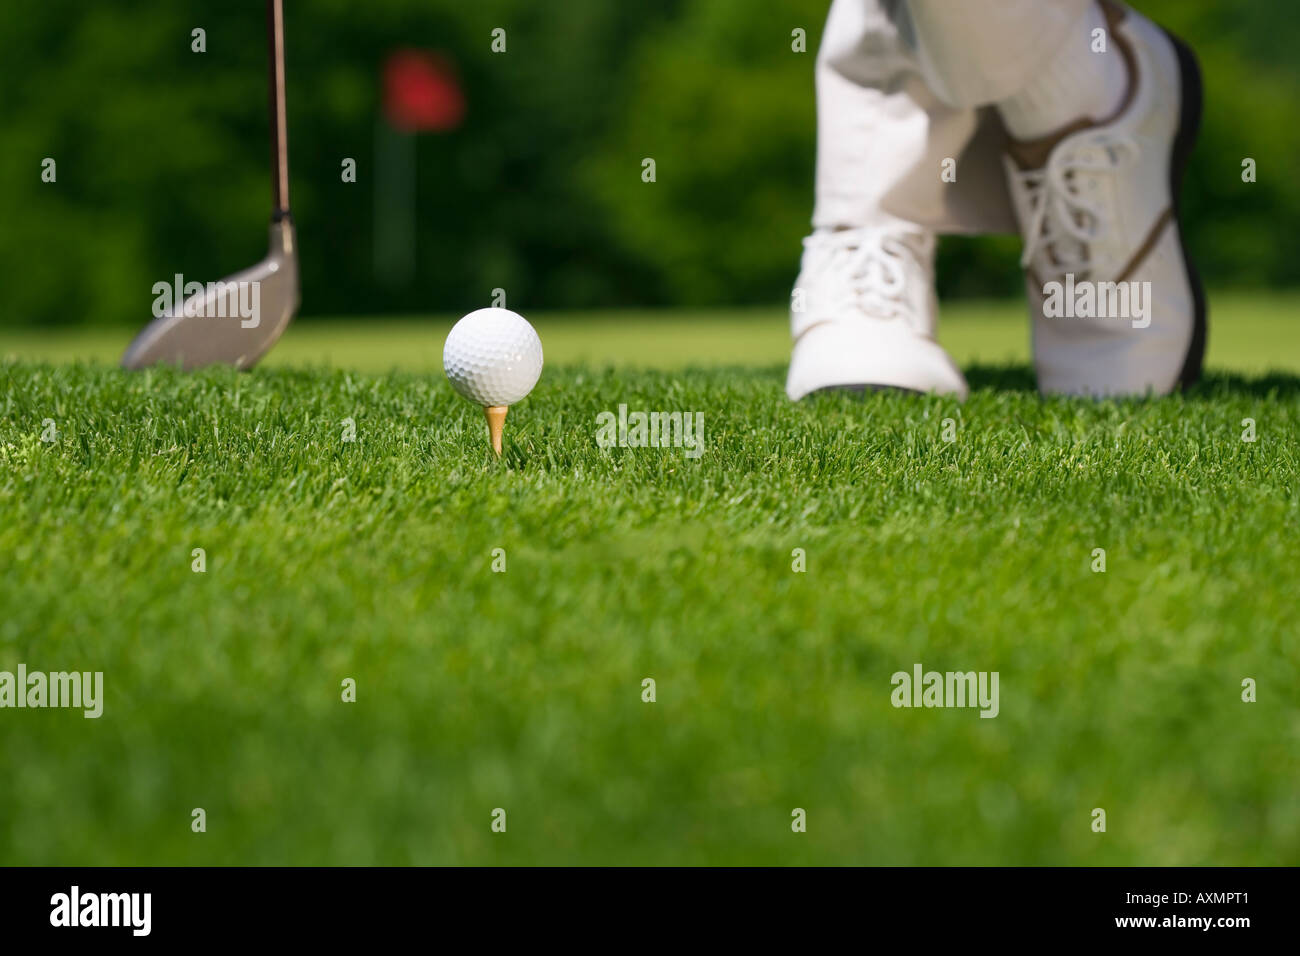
(372, 560)
(1249, 333)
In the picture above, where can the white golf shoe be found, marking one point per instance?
(1116, 304)
(863, 314)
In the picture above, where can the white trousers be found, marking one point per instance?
(903, 85)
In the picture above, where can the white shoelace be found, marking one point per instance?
(1063, 222)
(866, 267)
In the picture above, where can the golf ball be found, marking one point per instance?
(493, 357)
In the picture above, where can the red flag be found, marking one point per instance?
(422, 92)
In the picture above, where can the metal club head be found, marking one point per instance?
(231, 322)
(237, 320)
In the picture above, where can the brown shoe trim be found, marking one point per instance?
(1033, 154)
(1115, 12)
(1148, 244)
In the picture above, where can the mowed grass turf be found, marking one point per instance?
(372, 560)
(1250, 332)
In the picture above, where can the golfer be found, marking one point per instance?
(1067, 121)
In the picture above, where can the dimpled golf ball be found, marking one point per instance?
(493, 357)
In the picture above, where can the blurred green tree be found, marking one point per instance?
(161, 152)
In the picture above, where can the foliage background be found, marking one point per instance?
(162, 152)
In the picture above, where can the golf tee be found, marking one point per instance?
(496, 419)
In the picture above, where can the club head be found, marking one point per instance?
(232, 322)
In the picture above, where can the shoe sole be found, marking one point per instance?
(1189, 125)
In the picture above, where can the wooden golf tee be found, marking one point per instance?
(496, 418)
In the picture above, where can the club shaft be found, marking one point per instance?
(279, 126)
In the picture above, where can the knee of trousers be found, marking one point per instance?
(976, 52)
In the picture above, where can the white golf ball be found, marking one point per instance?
(493, 357)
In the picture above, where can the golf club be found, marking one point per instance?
(237, 320)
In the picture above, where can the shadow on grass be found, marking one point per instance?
(1213, 386)
(1001, 378)
(1224, 384)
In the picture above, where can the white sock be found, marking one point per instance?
(1075, 83)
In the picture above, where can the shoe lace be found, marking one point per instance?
(866, 267)
(1063, 222)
